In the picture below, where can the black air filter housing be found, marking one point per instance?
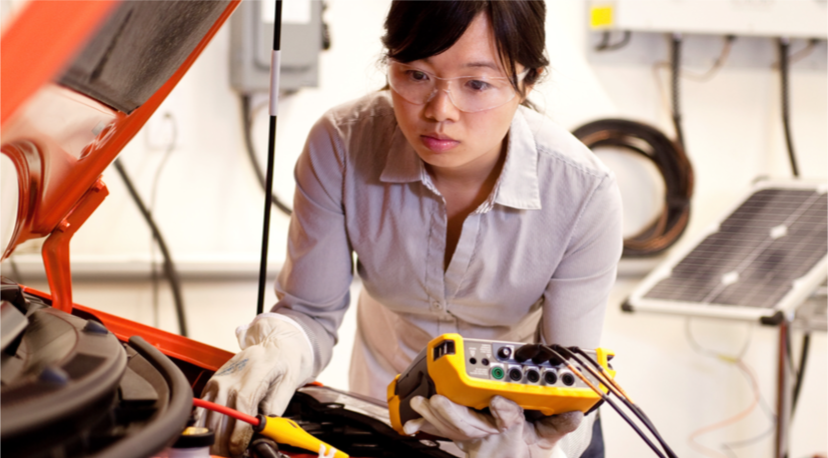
(70, 388)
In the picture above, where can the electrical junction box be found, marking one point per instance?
(251, 45)
(771, 18)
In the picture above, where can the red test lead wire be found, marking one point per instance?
(226, 411)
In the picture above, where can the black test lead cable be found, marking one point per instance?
(606, 399)
(615, 389)
(613, 385)
(271, 149)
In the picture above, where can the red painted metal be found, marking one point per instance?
(59, 182)
(39, 41)
(56, 248)
(57, 178)
(172, 345)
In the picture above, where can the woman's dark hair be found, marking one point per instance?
(419, 29)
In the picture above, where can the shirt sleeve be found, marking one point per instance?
(576, 297)
(313, 286)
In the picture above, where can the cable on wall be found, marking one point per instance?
(701, 77)
(251, 152)
(727, 46)
(708, 74)
(804, 52)
(784, 44)
(675, 74)
(784, 66)
(671, 162)
(605, 44)
(169, 268)
(154, 275)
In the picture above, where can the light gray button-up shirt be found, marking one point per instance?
(539, 254)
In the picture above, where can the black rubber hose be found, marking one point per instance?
(264, 447)
(786, 121)
(675, 75)
(251, 154)
(169, 267)
(166, 426)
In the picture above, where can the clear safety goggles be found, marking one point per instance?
(467, 93)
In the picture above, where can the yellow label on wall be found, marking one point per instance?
(600, 16)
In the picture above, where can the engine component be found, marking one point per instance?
(356, 425)
(71, 389)
(193, 442)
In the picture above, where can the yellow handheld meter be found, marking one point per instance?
(470, 372)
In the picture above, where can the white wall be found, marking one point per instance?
(209, 206)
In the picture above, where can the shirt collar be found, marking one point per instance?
(402, 164)
(517, 185)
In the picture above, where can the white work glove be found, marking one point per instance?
(504, 434)
(275, 359)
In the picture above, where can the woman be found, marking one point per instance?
(468, 213)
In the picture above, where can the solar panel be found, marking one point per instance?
(765, 256)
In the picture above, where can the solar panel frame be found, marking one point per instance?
(802, 287)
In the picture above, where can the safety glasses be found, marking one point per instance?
(468, 93)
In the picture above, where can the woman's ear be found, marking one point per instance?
(527, 88)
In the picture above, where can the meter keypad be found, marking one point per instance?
(493, 360)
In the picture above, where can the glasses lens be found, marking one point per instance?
(480, 93)
(468, 93)
(411, 84)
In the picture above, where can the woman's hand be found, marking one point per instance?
(503, 434)
(275, 360)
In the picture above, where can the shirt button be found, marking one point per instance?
(437, 306)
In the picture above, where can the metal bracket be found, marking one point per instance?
(56, 247)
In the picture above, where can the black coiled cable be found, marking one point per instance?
(669, 158)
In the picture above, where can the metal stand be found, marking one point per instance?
(811, 316)
(783, 391)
